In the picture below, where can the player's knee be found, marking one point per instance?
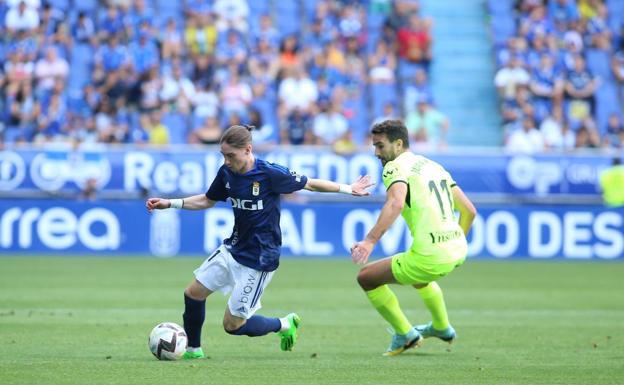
(363, 279)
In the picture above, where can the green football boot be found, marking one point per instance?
(402, 342)
(193, 355)
(288, 338)
(446, 335)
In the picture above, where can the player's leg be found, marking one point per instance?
(211, 276)
(240, 316)
(433, 298)
(374, 279)
(194, 314)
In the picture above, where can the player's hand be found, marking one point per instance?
(361, 251)
(157, 204)
(358, 188)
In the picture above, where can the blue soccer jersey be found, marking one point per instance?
(255, 198)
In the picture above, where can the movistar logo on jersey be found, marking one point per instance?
(246, 204)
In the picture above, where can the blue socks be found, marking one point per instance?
(194, 314)
(257, 326)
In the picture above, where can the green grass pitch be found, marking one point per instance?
(86, 321)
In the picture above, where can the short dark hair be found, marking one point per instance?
(393, 129)
(238, 136)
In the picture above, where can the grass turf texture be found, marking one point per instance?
(86, 321)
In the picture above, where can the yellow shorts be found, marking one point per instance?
(409, 269)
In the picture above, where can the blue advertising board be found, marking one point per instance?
(308, 230)
(188, 171)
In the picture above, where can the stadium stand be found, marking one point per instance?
(152, 71)
(560, 67)
(76, 71)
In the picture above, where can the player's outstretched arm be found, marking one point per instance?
(195, 202)
(467, 211)
(357, 188)
(395, 200)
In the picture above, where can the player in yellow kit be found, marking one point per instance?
(426, 195)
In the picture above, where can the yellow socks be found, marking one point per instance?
(434, 301)
(387, 304)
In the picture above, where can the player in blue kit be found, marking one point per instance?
(246, 261)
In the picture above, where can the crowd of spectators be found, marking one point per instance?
(168, 72)
(561, 76)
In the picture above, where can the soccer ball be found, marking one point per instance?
(168, 341)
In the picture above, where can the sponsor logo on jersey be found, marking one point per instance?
(246, 204)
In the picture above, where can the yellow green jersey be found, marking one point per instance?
(612, 183)
(429, 209)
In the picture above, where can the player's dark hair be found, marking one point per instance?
(238, 136)
(393, 129)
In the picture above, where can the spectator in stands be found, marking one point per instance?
(511, 77)
(389, 113)
(177, 90)
(580, 88)
(231, 14)
(527, 140)
(289, 55)
(157, 132)
(209, 132)
(295, 128)
(536, 23)
(598, 27)
(205, 101)
(563, 10)
(611, 182)
(614, 133)
(113, 55)
(84, 30)
(150, 88)
(345, 145)
(547, 86)
(22, 111)
(297, 91)
(382, 64)
(427, 125)
(200, 35)
(587, 135)
(350, 21)
(264, 63)
(556, 132)
(417, 90)
(50, 68)
(50, 19)
(18, 69)
(21, 18)
(171, 41)
(231, 50)
(111, 24)
(267, 32)
(617, 66)
(145, 54)
(415, 41)
(264, 133)
(235, 95)
(329, 124)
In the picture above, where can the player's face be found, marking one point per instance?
(385, 151)
(236, 159)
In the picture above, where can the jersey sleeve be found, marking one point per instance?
(284, 181)
(217, 191)
(392, 174)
